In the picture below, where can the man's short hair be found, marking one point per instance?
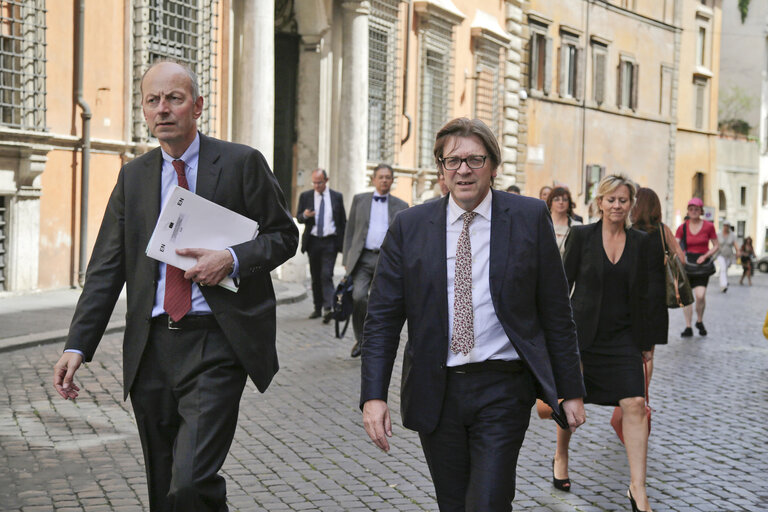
(320, 169)
(194, 87)
(383, 166)
(514, 189)
(464, 127)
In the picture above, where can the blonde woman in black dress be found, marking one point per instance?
(606, 263)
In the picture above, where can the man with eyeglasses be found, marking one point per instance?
(322, 211)
(369, 218)
(477, 276)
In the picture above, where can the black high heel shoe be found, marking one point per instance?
(563, 484)
(632, 502)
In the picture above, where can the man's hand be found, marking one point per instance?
(574, 411)
(63, 371)
(308, 214)
(647, 355)
(701, 259)
(377, 422)
(212, 266)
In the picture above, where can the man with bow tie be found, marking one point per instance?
(369, 218)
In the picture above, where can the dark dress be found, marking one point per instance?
(613, 365)
(658, 314)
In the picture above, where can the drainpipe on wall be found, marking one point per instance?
(85, 141)
(405, 75)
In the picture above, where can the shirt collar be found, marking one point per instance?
(324, 194)
(189, 157)
(483, 209)
(376, 194)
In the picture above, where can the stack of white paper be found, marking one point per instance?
(188, 221)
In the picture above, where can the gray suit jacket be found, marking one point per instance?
(232, 175)
(357, 225)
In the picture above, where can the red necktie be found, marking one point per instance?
(178, 291)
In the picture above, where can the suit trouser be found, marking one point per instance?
(322, 257)
(186, 398)
(362, 276)
(472, 455)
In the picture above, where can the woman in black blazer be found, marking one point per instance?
(606, 266)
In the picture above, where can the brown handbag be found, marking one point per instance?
(679, 292)
(617, 415)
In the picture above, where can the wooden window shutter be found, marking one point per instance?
(619, 83)
(635, 85)
(548, 67)
(532, 69)
(581, 64)
(599, 84)
(562, 72)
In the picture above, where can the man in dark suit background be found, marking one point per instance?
(188, 344)
(478, 277)
(322, 210)
(369, 217)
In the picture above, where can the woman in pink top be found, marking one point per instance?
(696, 239)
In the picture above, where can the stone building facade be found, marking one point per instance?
(338, 84)
(603, 81)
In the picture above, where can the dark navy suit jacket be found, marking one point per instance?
(530, 295)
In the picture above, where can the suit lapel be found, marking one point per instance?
(208, 168)
(365, 211)
(390, 209)
(596, 253)
(628, 246)
(500, 227)
(151, 198)
(435, 244)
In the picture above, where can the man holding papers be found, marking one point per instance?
(188, 345)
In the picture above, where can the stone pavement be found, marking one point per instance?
(301, 445)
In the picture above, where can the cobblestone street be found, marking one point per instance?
(301, 446)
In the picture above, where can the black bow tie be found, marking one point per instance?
(380, 198)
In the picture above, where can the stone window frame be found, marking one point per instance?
(668, 71)
(627, 83)
(384, 21)
(151, 43)
(436, 69)
(599, 77)
(23, 65)
(701, 86)
(489, 85)
(570, 65)
(540, 47)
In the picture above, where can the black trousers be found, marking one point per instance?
(322, 257)
(472, 455)
(362, 277)
(186, 398)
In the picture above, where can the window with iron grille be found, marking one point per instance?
(488, 84)
(2, 241)
(435, 94)
(184, 31)
(382, 70)
(22, 64)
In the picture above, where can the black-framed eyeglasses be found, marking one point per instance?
(453, 163)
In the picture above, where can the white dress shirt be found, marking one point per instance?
(329, 227)
(491, 341)
(378, 223)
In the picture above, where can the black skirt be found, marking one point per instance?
(696, 280)
(613, 369)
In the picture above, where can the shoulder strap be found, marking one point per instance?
(663, 238)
